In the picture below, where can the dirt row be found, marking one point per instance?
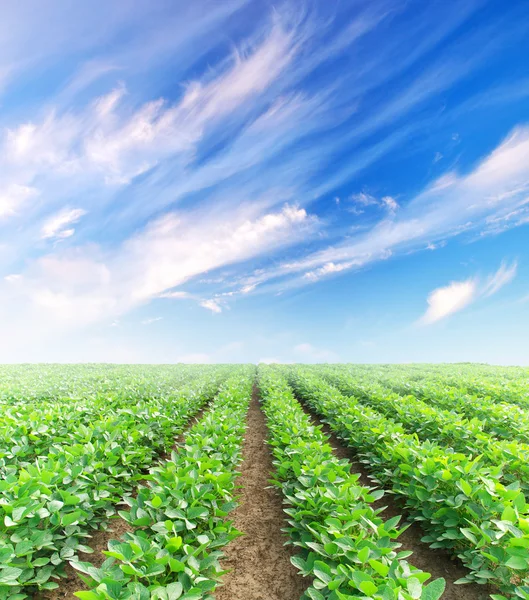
(259, 561)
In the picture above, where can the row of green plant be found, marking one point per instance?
(37, 384)
(503, 420)
(501, 384)
(460, 502)
(49, 506)
(179, 516)
(30, 427)
(445, 427)
(348, 550)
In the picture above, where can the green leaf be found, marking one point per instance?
(465, 487)
(368, 588)
(10, 575)
(434, 590)
(87, 595)
(174, 591)
(314, 594)
(518, 563)
(322, 571)
(70, 518)
(176, 566)
(379, 567)
(363, 554)
(414, 587)
(55, 506)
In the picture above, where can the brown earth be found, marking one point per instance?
(259, 561)
(435, 561)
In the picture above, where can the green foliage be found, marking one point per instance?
(433, 423)
(72, 465)
(459, 499)
(348, 550)
(179, 517)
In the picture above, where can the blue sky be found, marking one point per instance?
(279, 181)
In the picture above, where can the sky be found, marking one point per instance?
(245, 181)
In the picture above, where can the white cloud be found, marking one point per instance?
(119, 144)
(176, 295)
(58, 225)
(448, 300)
(503, 276)
(81, 285)
(13, 277)
(450, 206)
(151, 320)
(390, 203)
(270, 361)
(456, 296)
(363, 200)
(13, 197)
(312, 354)
(432, 247)
(248, 288)
(212, 305)
(326, 269)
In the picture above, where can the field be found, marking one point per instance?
(276, 482)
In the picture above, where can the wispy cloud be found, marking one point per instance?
(456, 296)
(176, 295)
(309, 353)
(505, 274)
(450, 206)
(219, 164)
(171, 251)
(212, 305)
(59, 226)
(149, 321)
(13, 197)
(446, 301)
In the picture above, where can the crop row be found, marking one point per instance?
(498, 384)
(503, 420)
(37, 385)
(445, 427)
(347, 549)
(500, 419)
(501, 384)
(29, 428)
(49, 506)
(179, 517)
(459, 501)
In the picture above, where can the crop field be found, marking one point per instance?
(276, 482)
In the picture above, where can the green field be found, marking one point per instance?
(148, 482)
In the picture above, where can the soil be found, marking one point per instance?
(259, 561)
(98, 542)
(435, 561)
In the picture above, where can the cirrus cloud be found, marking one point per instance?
(446, 301)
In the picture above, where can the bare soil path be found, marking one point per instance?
(259, 561)
(435, 561)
